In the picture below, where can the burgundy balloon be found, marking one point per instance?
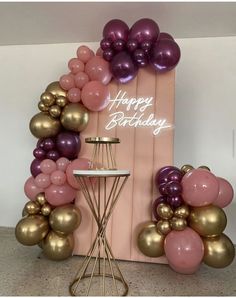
(118, 45)
(123, 68)
(105, 44)
(164, 55)
(116, 29)
(53, 155)
(175, 176)
(35, 167)
(48, 144)
(140, 58)
(173, 188)
(40, 143)
(164, 35)
(161, 175)
(158, 201)
(146, 45)
(68, 145)
(39, 153)
(175, 201)
(144, 29)
(162, 188)
(108, 54)
(132, 45)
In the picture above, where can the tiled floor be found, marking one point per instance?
(25, 272)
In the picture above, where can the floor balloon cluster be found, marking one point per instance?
(189, 220)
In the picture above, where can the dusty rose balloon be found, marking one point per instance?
(62, 163)
(58, 195)
(42, 180)
(73, 95)
(58, 177)
(95, 96)
(116, 29)
(81, 78)
(75, 65)
(184, 250)
(200, 188)
(77, 164)
(48, 166)
(144, 29)
(67, 81)
(30, 189)
(84, 54)
(99, 52)
(226, 193)
(35, 167)
(183, 270)
(98, 70)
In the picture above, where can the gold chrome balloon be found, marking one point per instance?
(219, 251)
(56, 89)
(186, 168)
(42, 107)
(163, 227)
(47, 99)
(40, 198)
(43, 125)
(178, 224)
(182, 211)
(207, 221)
(32, 208)
(61, 101)
(46, 209)
(205, 168)
(32, 229)
(65, 219)
(74, 117)
(58, 247)
(55, 111)
(24, 212)
(150, 242)
(164, 211)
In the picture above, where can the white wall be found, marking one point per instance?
(205, 111)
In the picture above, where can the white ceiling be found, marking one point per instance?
(36, 23)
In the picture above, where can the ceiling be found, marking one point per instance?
(60, 22)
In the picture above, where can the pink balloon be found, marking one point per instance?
(30, 188)
(58, 195)
(95, 96)
(99, 52)
(58, 177)
(226, 193)
(200, 188)
(42, 180)
(62, 163)
(84, 54)
(81, 78)
(77, 164)
(75, 65)
(98, 70)
(48, 166)
(67, 81)
(184, 250)
(73, 95)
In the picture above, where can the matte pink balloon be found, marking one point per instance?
(48, 166)
(99, 52)
(30, 188)
(98, 70)
(42, 180)
(200, 188)
(67, 81)
(95, 96)
(58, 195)
(81, 78)
(75, 65)
(184, 250)
(77, 164)
(73, 95)
(58, 177)
(226, 193)
(62, 163)
(84, 54)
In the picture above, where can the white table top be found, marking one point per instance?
(101, 173)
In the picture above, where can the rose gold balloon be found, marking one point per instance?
(98, 70)
(226, 193)
(84, 54)
(81, 78)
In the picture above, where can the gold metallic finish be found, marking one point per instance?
(47, 99)
(164, 211)
(182, 211)
(42, 107)
(46, 209)
(178, 224)
(61, 101)
(163, 227)
(205, 168)
(55, 111)
(186, 168)
(32, 207)
(40, 198)
(56, 89)
(94, 140)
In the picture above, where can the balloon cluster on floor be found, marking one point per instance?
(189, 220)
(143, 44)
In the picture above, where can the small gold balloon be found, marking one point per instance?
(40, 198)
(32, 208)
(24, 212)
(164, 211)
(46, 209)
(43, 125)
(55, 111)
(219, 251)
(58, 247)
(65, 219)
(47, 99)
(56, 89)
(182, 211)
(163, 227)
(74, 117)
(178, 224)
(32, 229)
(186, 168)
(42, 107)
(150, 242)
(205, 168)
(208, 221)
(61, 101)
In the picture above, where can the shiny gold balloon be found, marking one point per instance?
(46, 209)
(182, 211)
(74, 117)
(205, 168)
(150, 242)
(43, 125)
(32, 229)
(61, 101)
(164, 211)
(41, 199)
(42, 107)
(58, 247)
(32, 208)
(65, 219)
(186, 168)
(219, 251)
(47, 99)
(178, 224)
(207, 221)
(56, 89)
(163, 227)
(55, 111)
(24, 212)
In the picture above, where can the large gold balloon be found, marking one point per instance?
(32, 229)
(182, 211)
(58, 247)
(32, 208)
(186, 168)
(219, 251)
(56, 89)
(164, 211)
(208, 221)
(163, 227)
(150, 242)
(74, 117)
(65, 219)
(178, 224)
(40, 198)
(43, 125)
(47, 99)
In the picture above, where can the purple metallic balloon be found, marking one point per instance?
(118, 45)
(48, 144)
(173, 188)
(158, 201)
(164, 55)
(108, 54)
(161, 175)
(140, 58)
(35, 167)
(53, 155)
(164, 35)
(144, 29)
(105, 44)
(68, 145)
(146, 45)
(132, 45)
(162, 189)
(39, 153)
(175, 202)
(175, 176)
(40, 143)
(123, 68)
(116, 29)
